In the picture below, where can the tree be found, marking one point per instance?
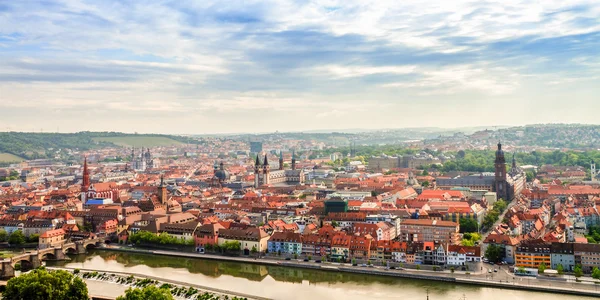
(335, 224)
(494, 253)
(578, 271)
(467, 225)
(33, 238)
(150, 292)
(451, 269)
(41, 284)
(596, 273)
(425, 183)
(16, 238)
(418, 267)
(521, 270)
(560, 269)
(541, 268)
(254, 250)
(467, 243)
(3, 235)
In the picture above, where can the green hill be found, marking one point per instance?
(9, 158)
(29, 145)
(139, 141)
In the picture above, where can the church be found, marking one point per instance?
(263, 175)
(507, 185)
(143, 161)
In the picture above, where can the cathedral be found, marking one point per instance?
(263, 175)
(507, 185)
(143, 161)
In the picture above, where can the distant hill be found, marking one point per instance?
(29, 145)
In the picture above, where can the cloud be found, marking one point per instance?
(324, 58)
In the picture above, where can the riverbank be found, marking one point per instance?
(123, 280)
(516, 283)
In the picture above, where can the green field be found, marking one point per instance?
(142, 141)
(7, 157)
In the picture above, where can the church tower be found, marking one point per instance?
(500, 174)
(280, 160)
(257, 172)
(162, 191)
(85, 186)
(593, 172)
(266, 171)
(293, 159)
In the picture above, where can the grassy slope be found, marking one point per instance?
(7, 157)
(142, 141)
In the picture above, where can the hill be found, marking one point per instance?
(9, 158)
(138, 141)
(29, 145)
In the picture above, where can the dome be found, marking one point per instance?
(222, 174)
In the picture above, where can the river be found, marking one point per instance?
(290, 283)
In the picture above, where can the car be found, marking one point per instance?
(363, 265)
(354, 265)
(386, 268)
(287, 258)
(306, 259)
(392, 268)
(489, 270)
(318, 261)
(495, 270)
(130, 245)
(371, 266)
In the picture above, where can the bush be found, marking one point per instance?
(41, 284)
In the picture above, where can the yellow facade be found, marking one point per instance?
(532, 260)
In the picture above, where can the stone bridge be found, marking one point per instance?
(33, 259)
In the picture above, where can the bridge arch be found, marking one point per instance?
(70, 250)
(24, 263)
(48, 255)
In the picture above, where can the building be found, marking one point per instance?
(563, 254)
(335, 205)
(532, 254)
(285, 243)
(587, 255)
(251, 238)
(506, 243)
(263, 175)
(207, 234)
(507, 185)
(143, 161)
(256, 147)
(424, 230)
(52, 238)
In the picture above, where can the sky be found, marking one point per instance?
(188, 67)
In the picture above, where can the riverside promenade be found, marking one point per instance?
(502, 280)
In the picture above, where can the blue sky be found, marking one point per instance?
(244, 66)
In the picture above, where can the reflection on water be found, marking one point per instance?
(290, 283)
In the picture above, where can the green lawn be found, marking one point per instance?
(7, 157)
(142, 141)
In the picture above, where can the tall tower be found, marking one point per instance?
(85, 186)
(280, 160)
(162, 191)
(257, 172)
(593, 171)
(266, 171)
(293, 159)
(500, 174)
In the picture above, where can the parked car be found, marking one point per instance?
(392, 268)
(363, 265)
(371, 266)
(354, 265)
(495, 270)
(306, 259)
(287, 258)
(318, 261)
(489, 270)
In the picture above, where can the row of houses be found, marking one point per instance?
(336, 245)
(533, 253)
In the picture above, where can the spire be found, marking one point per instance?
(265, 162)
(86, 175)
(514, 161)
(162, 180)
(280, 154)
(499, 146)
(222, 166)
(280, 160)
(257, 163)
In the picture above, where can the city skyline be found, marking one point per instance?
(265, 66)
